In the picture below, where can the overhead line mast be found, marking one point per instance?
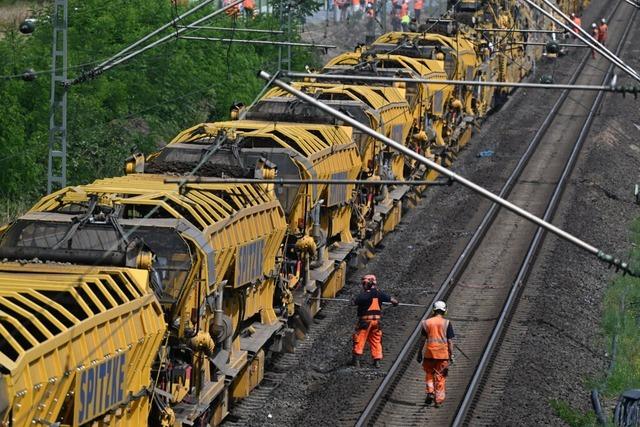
(57, 159)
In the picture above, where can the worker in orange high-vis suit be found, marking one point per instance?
(368, 327)
(417, 9)
(603, 32)
(436, 352)
(577, 23)
(249, 7)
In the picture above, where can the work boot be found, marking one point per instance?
(355, 361)
(429, 399)
(376, 364)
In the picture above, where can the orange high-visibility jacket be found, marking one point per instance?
(436, 346)
(249, 4)
(603, 29)
(417, 5)
(373, 312)
(577, 22)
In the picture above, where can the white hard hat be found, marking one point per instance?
(573, 15)
(593, 25)
(440, 306)
(603, 20)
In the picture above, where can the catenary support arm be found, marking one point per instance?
(454, 176)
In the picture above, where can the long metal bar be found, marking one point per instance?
(509, 30)
(534, 247)
(585, 37)
(243, 30)
(157, 31)
(454, 176)
(472, 245)
(264, 42)
(112, 63)
(450, 82)
(634, 4)
(285, 181)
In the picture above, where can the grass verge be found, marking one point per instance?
(621, 324)
(622, 320)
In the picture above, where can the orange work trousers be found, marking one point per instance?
(436, 377)
(371, 334)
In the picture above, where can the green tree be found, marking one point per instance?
(138, 105)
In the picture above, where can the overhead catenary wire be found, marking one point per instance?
(262, 42)
(456, 177)
(244, 30)
(120, 58)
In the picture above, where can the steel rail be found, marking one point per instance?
(462, 261)
(286, 181)
(374, 79)
(532, 252)
(472, 245)
(262, 42)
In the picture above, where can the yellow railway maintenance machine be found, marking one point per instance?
(318, 216)
(375, 210)
(102, 331)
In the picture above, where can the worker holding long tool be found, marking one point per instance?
(436, 353)
(368, 328)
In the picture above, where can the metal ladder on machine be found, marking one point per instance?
(57, 164)
(284, 52)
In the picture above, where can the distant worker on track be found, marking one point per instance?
(417, 9)
(577, 23)
(603, 32)
(436, 352)
(368, 328)
(249, 7)
(595, 33)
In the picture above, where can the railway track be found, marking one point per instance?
(483, 286)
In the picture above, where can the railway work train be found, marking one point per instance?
(156, 297)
